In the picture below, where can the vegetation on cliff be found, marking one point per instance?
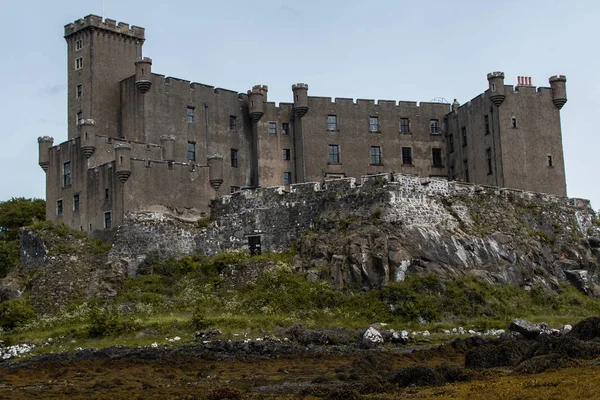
(14, 214)
(238, 293)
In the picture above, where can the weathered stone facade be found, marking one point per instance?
(381, 230)
(139, 141)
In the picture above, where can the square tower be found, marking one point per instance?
(100, 53)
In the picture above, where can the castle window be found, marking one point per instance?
(452, 173)
(79, 90)
(79, 117)
(67, 174)
(191, 151)
(434, 126)
(407, 155)
(493, 87)
(59, 207)
(404, 125)
(107, 220)
(286, 155)
(334, 154)
(90, 227)
(234, 189)
(78, 63)
(463, 132)
(451, 143)
(190, 115)
(234, 158)
(332, 123)
(487, 124)
(375, 155)
(75, 202)
(232, 123)
(436, 157)
(373, 124)
(287, 178)
(466, 166)
(513, 122)
(272, 128)
(106, 194)
(549, 160)
(488, 155)
(285, 128)
(79, 44)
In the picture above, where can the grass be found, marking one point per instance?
(171, 296)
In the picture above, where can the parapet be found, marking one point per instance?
(495, 74)
(558, 78)
(297, 86)
(94, 21)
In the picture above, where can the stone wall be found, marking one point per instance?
(281, 217)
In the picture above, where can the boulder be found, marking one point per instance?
(527, 329)
(579, 279)
(372, 335)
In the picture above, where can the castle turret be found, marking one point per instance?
(87, 137)
(167, 142)
(496, 82)
(143, 73)
(215, 170)
(558, 83)
(44, 144)
(256, 109)
(300, 98)
(256, 99)
(123, 161)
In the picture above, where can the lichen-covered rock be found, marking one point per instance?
(372, 335)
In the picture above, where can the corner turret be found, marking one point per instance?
(496, 82)
(300, 98)
(143, 74)
(558, 83)
(87, 137)
(256, 99)
(167, 142)
(44, 144)
(123, 161)
(215, 170)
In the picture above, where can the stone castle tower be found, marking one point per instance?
(138, 140)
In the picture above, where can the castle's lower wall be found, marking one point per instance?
(280, 218)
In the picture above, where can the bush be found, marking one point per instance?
(15, 313)
(9, 256)
(18, 212)
(199, 321)
(102, 323)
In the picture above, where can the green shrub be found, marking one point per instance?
(9, 256)
(102, 322)
(199, 321)
(15, 313)
(18, 212)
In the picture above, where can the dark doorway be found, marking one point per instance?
(254, 245)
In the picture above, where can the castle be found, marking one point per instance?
(140, 141)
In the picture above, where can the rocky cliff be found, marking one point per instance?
(367, 235)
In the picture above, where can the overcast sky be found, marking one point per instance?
(396, 50)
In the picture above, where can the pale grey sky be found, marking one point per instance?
(396, 50)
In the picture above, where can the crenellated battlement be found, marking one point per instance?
(94, 21)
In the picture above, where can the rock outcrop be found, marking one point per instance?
(380, 232)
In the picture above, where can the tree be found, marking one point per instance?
(18, 212)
